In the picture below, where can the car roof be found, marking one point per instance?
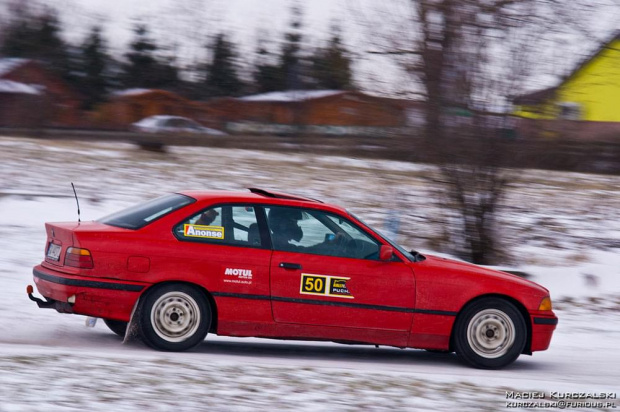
(165, 116)
(263, 196)
(158, 118)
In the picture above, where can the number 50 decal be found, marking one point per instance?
(313, 284)
(324, 286)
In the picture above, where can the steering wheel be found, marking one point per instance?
(339, 243)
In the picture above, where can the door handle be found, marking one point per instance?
(287, 265)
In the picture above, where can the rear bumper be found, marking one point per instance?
(542, 331)
(93, 296)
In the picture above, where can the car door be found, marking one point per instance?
(329, 273)
(222, 250)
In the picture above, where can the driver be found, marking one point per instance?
(284, 224)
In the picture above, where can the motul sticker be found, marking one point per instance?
(205, 232)
(235, 275)
(324, 286)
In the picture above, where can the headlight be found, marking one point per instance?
(545, 304)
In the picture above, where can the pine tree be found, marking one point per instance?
(331, 66)
(221, 74)
(267, 75)
(144, 69)
(287, 73)
(37, 36)
(92, 68)
(167, 73)
(51, 46)
(290, 60)
(19, 34)
(141, 59)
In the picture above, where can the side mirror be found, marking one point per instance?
(386, 252)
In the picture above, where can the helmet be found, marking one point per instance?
(284, 222)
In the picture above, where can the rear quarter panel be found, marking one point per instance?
(154, 255)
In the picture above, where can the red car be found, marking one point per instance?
(274, 265)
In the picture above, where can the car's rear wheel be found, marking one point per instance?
(174, 317)
(490, 333)
(117, 326)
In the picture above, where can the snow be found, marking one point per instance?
(599, 275)
(564, 233)
(291, 95)
(8, 64)
(9, 86)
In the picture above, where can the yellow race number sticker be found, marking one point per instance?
(324, 285)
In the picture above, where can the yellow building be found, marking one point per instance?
(591, 92)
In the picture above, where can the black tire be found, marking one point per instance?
(174, 317)
(117, 326)
(490, 333)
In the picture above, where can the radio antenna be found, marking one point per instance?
(77, 201)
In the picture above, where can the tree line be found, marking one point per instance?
(95, 72)
(466, 58)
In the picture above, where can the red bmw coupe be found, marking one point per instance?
(274, 265)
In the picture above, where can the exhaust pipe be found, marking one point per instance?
(62, 307)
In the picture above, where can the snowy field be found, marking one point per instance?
(563, 229)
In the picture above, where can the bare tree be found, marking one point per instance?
(467, 59)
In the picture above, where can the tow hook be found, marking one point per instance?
(44, 304)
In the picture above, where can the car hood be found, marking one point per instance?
(469, 269)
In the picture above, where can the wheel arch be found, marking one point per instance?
(520, 307)
(209, 298)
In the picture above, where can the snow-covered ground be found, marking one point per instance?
(564, 229)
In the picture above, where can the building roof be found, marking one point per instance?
(8, 64)
(604, 46)
(540, 96)
(536, 97)
(9, 86)
(149, 93)
(291, 95)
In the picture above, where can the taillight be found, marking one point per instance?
(79, 258)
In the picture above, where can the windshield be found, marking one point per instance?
(138, 216)
(412, 256)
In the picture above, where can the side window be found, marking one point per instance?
(174, 122)
(141, 215)
(317, 232)
(348, 227)
(189, 124)
(227, 225)
(245, 226)
(570, 110)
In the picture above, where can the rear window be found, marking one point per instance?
(141, 215)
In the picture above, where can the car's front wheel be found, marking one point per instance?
(174, 317)
(490, 333)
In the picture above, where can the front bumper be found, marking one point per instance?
(102, 298)
(542, 331)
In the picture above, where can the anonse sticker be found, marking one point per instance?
(205, 232)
